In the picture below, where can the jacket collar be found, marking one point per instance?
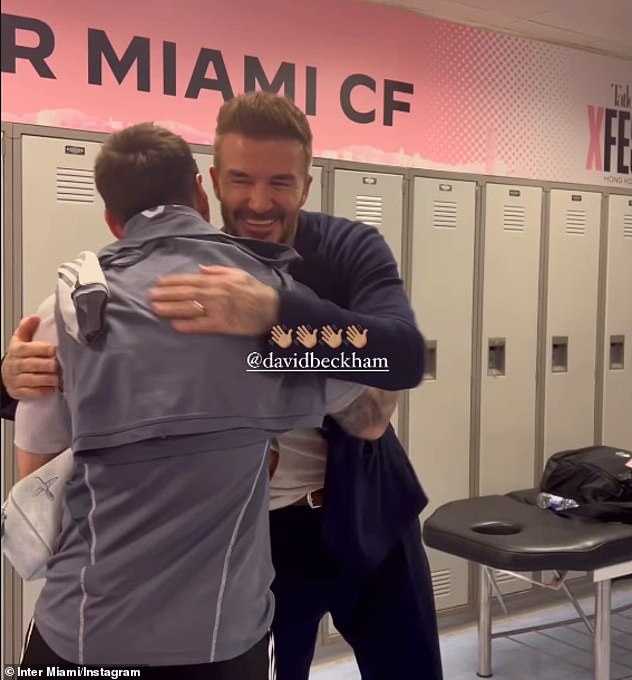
(178, 221)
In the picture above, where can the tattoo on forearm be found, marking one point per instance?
(372, 408)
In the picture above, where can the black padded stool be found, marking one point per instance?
(510, 533)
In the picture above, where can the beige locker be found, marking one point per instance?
(509, 338)
(511, 271)
(62, 213)
(571, 324)
(617, 395)
(442, 282)
(375, 199)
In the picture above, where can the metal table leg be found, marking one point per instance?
(602, 629)
(485, 624)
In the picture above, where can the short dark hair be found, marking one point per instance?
(262, 116)
(143, 166)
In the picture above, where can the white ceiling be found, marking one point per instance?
(603, 26)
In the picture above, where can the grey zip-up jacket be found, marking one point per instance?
(164, 554)
(138, 378)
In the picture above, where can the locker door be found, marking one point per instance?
(62, 213)
(572, 289)
(375, 199)
(617, 396)
(68, 215)
(509, 342)
(314, 202)
(442, 293)
(204, 162)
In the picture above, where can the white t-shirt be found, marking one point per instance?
(301, 467)
(51, 434)
(302, 453)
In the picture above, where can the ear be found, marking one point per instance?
(115, 225)
(215, 180)
(308, 184)
(201, 199)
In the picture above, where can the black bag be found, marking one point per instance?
(598, 478)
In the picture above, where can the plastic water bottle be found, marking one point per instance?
(553, 502)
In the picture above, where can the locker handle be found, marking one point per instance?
(430, 362)
(617, 352)
(496, 357)
(559, 355)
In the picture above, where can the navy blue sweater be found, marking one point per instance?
(350, 266)
(372, 494)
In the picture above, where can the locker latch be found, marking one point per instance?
(559, 355)
(430, 363)
(617, 351)
(496, 357)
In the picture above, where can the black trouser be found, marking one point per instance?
(256, 664)
(388, 617)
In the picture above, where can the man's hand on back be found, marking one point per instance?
(223, 300)
(29, 369)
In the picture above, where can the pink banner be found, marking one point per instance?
(379, 85)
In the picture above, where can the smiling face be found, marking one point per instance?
(261, 186)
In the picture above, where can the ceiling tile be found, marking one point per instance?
(614, 48)
(519, 10)
(585, 23)
(481, 17)
(452, 10)
(605, 22)
(540, 31)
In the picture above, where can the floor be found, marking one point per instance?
(563, 653)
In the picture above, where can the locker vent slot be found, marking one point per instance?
(369, 210)
(442, 582)
(627, 226)
(576, 222)
(514, 218)
(75, 185)
(444, 214)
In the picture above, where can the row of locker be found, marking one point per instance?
(524, 301)
(522, 296)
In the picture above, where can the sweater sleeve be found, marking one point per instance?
(377, 302)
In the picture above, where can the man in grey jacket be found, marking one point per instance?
(163, 559)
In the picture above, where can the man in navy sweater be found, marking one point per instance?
(344, 512)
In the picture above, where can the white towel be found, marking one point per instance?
(83, 293)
